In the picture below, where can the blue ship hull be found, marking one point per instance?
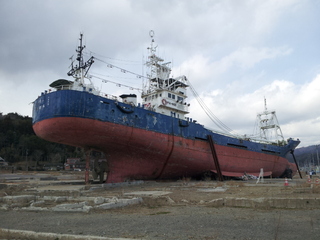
(142, 144)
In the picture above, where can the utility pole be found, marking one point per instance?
(317, 155)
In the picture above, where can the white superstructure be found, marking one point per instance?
(162, 93)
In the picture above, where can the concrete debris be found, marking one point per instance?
(51, 203)
(247, 177)
(55, 198)
(219, 202)
(217, 189)
(114, 199)
(4, 207)
(120, 203)
(18, 199)
(115, 185)
(169, 200)
(148, 193)
(37, 203)
(99, 200)
(32, 208)
(72, 207)
(81, 204)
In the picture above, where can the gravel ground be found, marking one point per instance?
(179, 222)
(186, 216)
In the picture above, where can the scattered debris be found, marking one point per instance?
(247, 177)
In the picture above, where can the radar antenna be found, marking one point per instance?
(80, 71)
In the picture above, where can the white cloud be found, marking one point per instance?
(297, 108)
(200, 69)
(19, 97)
(235, 53)
(247, 57)
(306, 130)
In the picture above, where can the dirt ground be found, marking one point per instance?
(181, 209)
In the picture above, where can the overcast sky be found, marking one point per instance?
(234, 52)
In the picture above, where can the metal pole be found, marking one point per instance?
(294, 158)
(317, 154)
(87, 167)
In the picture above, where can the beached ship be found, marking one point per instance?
(154, 139)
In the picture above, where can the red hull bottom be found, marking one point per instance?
(140, 154)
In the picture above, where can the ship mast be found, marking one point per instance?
(158, 71)
(268, 125)
(79, 72)
(162, 93)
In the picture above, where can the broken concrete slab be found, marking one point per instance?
(120, 203)
(84, 206)
(219, 202)
(99, 200)
(18, 199)
(72, 207)
(55, 198)
(34, 208)
(217, 189)
(60, 188)
(169, 200)
(148, 193)
(37, 203)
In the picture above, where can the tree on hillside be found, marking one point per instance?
(18, 142)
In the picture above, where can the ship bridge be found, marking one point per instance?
(161, 93)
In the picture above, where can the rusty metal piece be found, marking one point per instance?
(215, 158)
(294, 158)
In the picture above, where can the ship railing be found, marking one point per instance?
(249, 138)
(70, 87)
(61, 87)
(109, 96)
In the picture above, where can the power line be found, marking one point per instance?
(209, 113)
(90, 53)
(117, 84)
(109, 65)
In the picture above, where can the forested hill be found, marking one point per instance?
(308, 156)
(18, 142)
